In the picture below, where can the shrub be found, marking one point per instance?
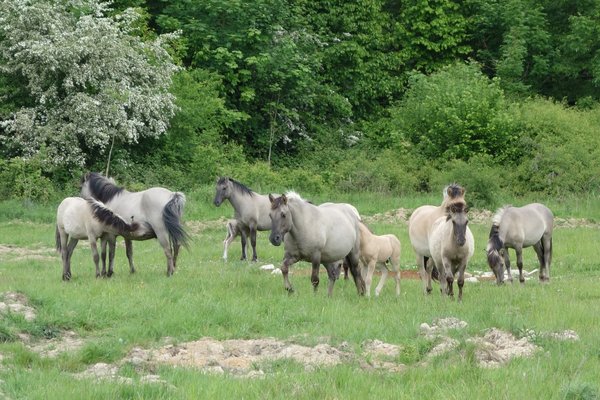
(455, 113)
(23, 179)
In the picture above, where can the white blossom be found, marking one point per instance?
(89, 78)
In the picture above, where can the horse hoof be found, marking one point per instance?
(109, 274)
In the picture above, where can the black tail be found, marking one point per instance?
(57, 238)
(172, 218)
(108, 217)
(494, 245)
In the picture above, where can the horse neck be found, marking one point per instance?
(237, 200)
(302, 213)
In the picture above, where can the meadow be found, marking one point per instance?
(210, 298)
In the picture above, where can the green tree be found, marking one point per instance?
(86, 81)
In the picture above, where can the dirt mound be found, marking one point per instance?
(239, 357)
(17, 303)
(498, 347)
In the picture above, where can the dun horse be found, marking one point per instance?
(251, 209)
(419, 229)
(78, 219)
(517, 228)
(234, 228)
(451, 245)
(381, 250)
(322, 234)
(157, 210)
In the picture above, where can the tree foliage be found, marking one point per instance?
(456, 112)
(84, 80)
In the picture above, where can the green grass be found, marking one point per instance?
(235, 300)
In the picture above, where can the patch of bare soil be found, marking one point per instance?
(197, 226)
(16, 253)
(498, 347)
(17, 303)
(494, 349)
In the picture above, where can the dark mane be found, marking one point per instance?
(494, 245)
(105, 215)
(100, 187)
(277, 202)
(238, 186)
(454, 196)
(454, 190)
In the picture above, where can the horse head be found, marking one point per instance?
(223, 190)
(456, 213)
(281, 219)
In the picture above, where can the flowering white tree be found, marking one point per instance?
(89, 79)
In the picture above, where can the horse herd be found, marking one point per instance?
(329, 234)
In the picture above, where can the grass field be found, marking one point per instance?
(208, 298)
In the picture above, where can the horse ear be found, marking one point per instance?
(271, 198)
(284, 198)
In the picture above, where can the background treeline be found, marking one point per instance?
(394, 96)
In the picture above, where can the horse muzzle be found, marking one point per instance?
(275, 239)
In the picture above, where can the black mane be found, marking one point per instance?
(238, 186)
(100, 187)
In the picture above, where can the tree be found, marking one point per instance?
(86, 80)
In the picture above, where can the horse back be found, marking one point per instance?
(331, 230)
(419, 227)
(525, 226)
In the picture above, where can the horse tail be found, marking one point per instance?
(57, 239)
(108, 217)
(172, 218)
(494, 245)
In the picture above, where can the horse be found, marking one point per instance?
(251, 209)
(518, 228)
(157, 210)
(322, 234)
(451, 246)
(419, 229)
(77, 219)
(234, 228)
(382, 250)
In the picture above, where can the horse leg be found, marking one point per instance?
(244, 238)
(253, 242)
(461, 279)
(70, 248)
(424, 273)
(384, 275)
(95, 255)
(507, 264)
(396, 269)
(63, 237)
(519, 251)
(103, 242)
(547, 242)
(129, 252)
(369, 276)
(112, 240)
(353, 263)
(314, 276)
(231, 235)
(164, 242)
(332, 274)
(447, 277)
(285, 267)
